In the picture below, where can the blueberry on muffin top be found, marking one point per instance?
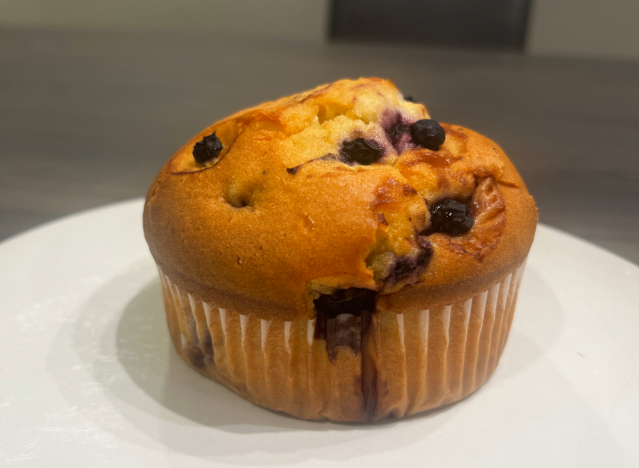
(207, 149)
(428, 134)
(360, 151)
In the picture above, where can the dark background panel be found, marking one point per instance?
(475, 23)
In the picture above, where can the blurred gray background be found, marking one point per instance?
(96, 95)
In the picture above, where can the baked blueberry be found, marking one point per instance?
(397, 131)
(345, 301)
(411, 265)
(207, 149)
(451, 217)
(360, 151)
(428, 134)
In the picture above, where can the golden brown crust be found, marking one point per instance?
(249, 235)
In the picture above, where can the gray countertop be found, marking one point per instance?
(88, 119)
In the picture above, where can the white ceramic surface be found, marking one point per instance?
(88, 377)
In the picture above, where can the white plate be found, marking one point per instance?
(88, 376)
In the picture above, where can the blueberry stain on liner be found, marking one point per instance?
(339, 318)
(345, 301)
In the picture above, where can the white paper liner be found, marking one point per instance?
(415, 360)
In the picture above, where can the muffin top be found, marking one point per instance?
(345, 188)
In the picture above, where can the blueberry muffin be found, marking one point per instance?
(338, 254)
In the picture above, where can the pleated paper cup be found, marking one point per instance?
(404, 363)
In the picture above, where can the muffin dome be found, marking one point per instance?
(339, 188)
(338, 254)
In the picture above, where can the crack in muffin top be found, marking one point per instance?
(323, 191)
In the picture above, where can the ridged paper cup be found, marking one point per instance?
(404, 363)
